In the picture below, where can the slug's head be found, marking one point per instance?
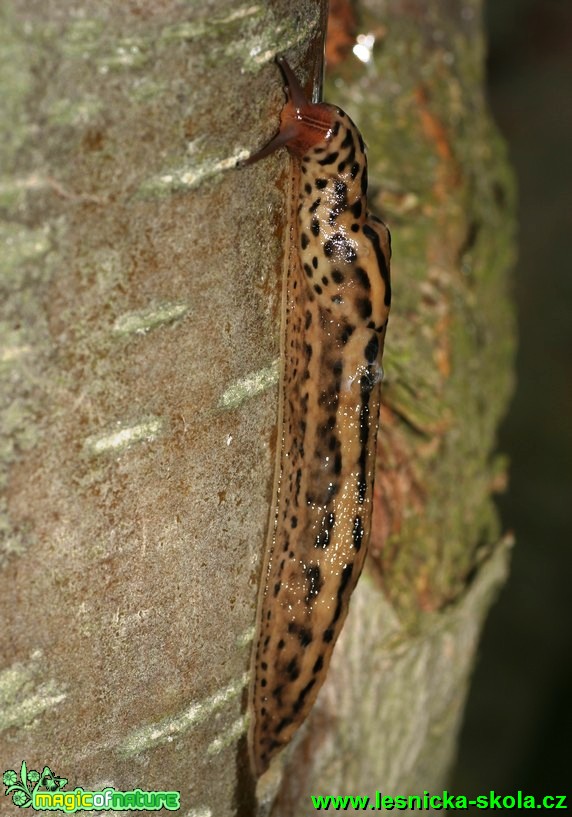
(303, 124)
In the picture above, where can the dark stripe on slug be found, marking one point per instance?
(348, 139)
(338, 463)
(283, 723)
(363, 278)
(306, 689)
(321, 183)
(355, 170)
(304, 241)
(315, 582)
(364, 423)
(362, 490)
(329, 160)
(318, 665)
(357, 534)
(351, 154)
(315, 226)
(346, 575)
(315, 205)
(298, 480)
(370, 233)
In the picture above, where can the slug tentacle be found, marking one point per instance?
(302, 123)
(336, 309)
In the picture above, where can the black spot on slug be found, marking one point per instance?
(346, 334)
(372, 349)
(293, 669)
(357, 533)
(356, 209)
(340, 190)
(363, 306)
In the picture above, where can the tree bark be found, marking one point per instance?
(141, 277)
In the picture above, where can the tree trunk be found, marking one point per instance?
(141, 277)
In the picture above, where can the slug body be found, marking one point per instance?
(337, 304)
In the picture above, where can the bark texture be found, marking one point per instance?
(140, 309)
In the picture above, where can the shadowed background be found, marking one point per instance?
(518, 721)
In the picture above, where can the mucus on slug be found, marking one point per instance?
(336, 310)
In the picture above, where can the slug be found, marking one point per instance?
(336, 305)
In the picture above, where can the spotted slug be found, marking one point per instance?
(336, 309)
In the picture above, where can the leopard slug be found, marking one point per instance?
(336, 309)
